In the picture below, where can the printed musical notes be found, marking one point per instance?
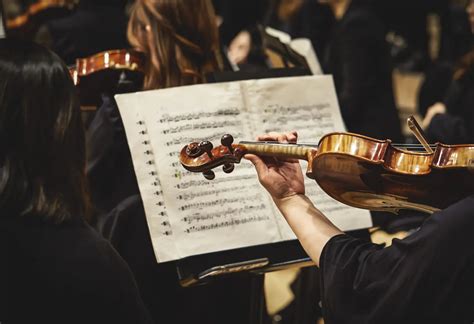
(201, 216)
(149, 184)
(311, 109)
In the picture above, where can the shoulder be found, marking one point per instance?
(95, 256)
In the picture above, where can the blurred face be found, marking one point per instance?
(470, 13)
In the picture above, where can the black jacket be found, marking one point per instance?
(63, 274)
(425, 278)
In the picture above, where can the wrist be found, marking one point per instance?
(286, 204)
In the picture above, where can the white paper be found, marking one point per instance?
(309, 106)
(229, 212)
(232, 210)
(146, 172)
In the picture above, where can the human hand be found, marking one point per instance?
(282, 178)
(239, 48)
(437, 108)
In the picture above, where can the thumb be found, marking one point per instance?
(260, 166)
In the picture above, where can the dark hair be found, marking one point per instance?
(42, 146)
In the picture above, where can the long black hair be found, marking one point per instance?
(42, 146)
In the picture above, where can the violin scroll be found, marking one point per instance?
(203, 156)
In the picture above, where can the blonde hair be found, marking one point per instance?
(179, 38)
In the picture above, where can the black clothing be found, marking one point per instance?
(313, 21)
(427, 276)
(93, 28)
(63, 274)
(457, 125)
(358, 59)
(226, 301)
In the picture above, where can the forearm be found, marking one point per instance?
(311, 227)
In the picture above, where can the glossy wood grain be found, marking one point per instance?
(114, 59)
(364, 172)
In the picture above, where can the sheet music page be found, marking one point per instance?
(146, 172)
(228, 212)
(308, 105)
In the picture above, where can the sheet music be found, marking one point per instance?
(228, 212)
(233, 210)
(308, 105)
(146, 172)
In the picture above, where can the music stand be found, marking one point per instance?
(288, 55)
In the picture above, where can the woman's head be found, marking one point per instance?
(179, 38)
(42, 147)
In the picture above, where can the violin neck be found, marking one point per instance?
(280, 150)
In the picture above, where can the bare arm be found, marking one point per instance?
(284, 181)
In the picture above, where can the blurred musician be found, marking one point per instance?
(94, 26)
(452, 120)
(302, 18)
(358, 58)
(181, 44)
(54, 267)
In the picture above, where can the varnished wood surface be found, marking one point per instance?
(114, 59)
(367, 173)
(372, 174)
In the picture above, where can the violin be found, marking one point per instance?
(115, 71)
(359, 171)
(38, 12)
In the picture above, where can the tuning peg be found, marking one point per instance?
(228, 167)
(206, 146)
(209, 175)
(227, 141)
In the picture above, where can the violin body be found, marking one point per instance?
(366, 173)
(360, 171)
(115, 71)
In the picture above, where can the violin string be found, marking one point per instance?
(407, 146)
